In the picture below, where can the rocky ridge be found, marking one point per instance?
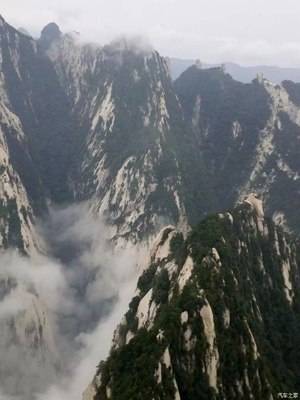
(209, 315)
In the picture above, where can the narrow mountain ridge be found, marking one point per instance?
(215, 316)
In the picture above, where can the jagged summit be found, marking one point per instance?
(50, 33)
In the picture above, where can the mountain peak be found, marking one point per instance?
(50, 33)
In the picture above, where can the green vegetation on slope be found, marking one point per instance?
(247, 282)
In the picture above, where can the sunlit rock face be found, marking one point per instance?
(200, 320)
(16, 219)
(104, 124)
(35, 126)
(135, 141)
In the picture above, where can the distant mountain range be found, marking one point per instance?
(241, 73)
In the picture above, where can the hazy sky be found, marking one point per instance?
(243, 31)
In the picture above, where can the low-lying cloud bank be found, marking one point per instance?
(74, 298)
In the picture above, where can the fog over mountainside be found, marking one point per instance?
(55, 309)
(100, 150)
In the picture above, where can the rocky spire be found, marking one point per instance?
(49, 34)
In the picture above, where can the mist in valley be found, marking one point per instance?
(82, 287)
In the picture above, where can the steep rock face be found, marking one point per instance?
(26, 331)
(16, 219)
(39, 134)
(249, 137)
(276, 167)
(227, 117)
(219, 333)
(32, 92)
(137, 160)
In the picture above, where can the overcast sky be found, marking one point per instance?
(245, 31)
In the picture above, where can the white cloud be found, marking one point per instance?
(11, 305)
(95, 346)
(87, 287)
(184, 29)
